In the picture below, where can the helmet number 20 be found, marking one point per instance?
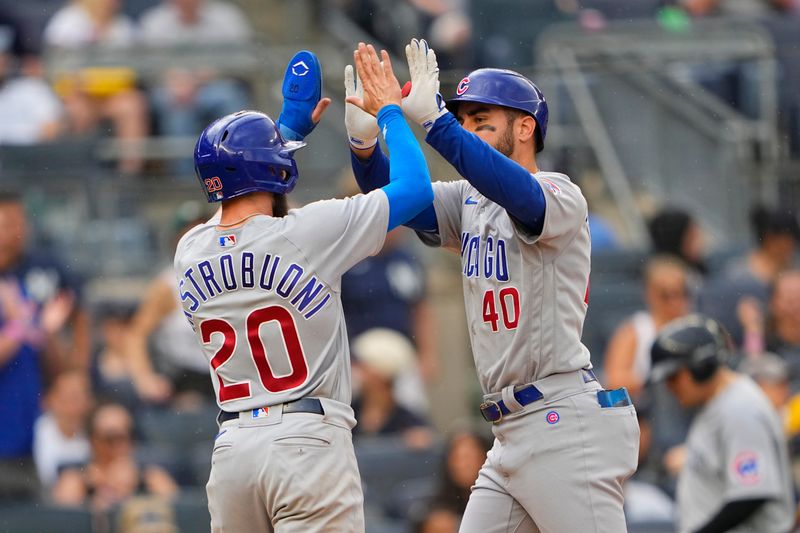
(213, 184)
(508, 298)
(272, 383)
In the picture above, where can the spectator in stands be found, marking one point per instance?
(777, 232)
(627, 359)
(380, 356)
(112, 475)
(783, 329)
(30, 112)
(741, 8)
(389, 290)
(59, 436)
(159, 321)
(112, 372)
(675, 232)
(188, 99)
(438, 519)
(94, 94)
(465, 453)
(37, 299)
(446, 23)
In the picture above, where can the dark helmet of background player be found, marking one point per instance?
(695, 342)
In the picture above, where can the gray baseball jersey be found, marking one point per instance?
(736, 450)
(264, 299)
(526, 295)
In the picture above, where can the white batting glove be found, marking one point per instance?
(424, 104)
(362, 128)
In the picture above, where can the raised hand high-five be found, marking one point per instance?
(380, 85)
(424, 104)
(362, 128)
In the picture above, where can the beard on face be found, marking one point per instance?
(506, 143)
(280, 206)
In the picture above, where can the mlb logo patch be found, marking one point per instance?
(226, 241)
(261, 412)
(745, 468)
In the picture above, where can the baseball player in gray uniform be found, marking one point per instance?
(260, 286)
(737, 475)
(563, 445)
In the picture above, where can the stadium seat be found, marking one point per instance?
(386, 464)
(191, 513)
(617, 265)
(411, 497)
(42, 518)
(180, 430)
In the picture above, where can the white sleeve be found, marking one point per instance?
(447, 201)
(565, 210)
(334, 235)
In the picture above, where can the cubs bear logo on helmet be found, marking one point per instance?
(505, 88)
(242, 153)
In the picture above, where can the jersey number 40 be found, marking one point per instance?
(272, 383)
(509, 308)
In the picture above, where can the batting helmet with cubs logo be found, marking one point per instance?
(504, 88)
(242, 153)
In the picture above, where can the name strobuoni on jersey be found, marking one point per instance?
(526, 296)
(264, 300)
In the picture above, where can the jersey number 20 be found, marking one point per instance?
(271, 382)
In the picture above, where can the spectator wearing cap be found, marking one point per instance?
(751, 277)
(380, 356)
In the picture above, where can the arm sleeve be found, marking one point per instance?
(409, 188)
(373, 173)
(731, 515)
(494, 175)
(334, 235)
(752, 461)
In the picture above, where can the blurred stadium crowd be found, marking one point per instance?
(107, 409)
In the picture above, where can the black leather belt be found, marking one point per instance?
(495, 411)
(303, 405)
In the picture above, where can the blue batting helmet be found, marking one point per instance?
(242, 153)
(505, 88)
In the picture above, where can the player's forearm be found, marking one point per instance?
(496, 176)
(409, 189)
(371, 170)
(731, 515)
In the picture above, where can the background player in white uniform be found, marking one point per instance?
(737, 475)
(261, 288)
(563, 446)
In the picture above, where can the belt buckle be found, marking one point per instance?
(491, 404)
